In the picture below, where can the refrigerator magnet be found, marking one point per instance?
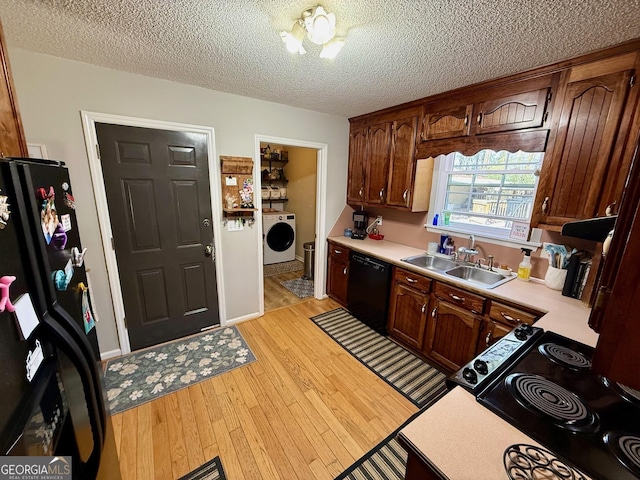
(69, 201)
(62, 278)
(5, 299)
(65, 220)
(26, 315)
(34, 360)
(77, 257)
(59, 238)
(4, 211)
(87, 316)
(48, 214)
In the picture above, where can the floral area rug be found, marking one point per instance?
(300, 287)
(148, 374)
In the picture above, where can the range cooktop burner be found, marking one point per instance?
(526, 462)
(628, 393)
(565, 356)
(626, 448)
(543, 396)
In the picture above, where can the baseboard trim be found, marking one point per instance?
(244, 318)
(110, 354)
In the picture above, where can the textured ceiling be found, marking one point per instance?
(396, 50)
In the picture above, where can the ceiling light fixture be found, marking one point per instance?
(320, 28)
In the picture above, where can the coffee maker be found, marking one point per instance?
(359, 225)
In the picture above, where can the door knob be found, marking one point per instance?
(208, 250)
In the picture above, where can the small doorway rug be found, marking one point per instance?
(282, 267)
(145, 375)
(418, 381)
(300, 287)
(212, 470)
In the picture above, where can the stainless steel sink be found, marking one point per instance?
(430, 262)
(478, 276)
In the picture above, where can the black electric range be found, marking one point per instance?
(547, 390)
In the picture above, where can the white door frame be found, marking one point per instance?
(319, 284)
(89, 120)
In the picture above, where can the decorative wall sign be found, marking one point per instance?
(519, 231)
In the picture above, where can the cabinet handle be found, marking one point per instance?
(466, 120)
(457, 298)
(381, 193)
(545, 204)
(337, 252)
(344, 272)
(404, 195)
(609, 210)
(487, 339)
(424, 307)
(479, 118)
(411, 280)
(360, 192)
(434, 311)
(509, 318)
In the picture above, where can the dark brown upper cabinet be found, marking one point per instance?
(357, 156)
(383, 170)
(445, 120)
(583, 162)
(513, 112)
(12, 141)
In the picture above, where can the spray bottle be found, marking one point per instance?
(524, 269)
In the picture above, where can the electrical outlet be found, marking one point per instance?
(379, 220)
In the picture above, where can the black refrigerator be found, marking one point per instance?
(52, 400)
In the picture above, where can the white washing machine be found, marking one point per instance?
(279, 241)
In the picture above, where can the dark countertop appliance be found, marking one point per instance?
(360, 220)
(544, 386)
(52, 400)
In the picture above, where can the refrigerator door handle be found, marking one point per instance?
(63, 341)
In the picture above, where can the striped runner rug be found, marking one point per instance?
(212, 470)
(418, 381)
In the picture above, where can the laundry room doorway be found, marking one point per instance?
(290, 176)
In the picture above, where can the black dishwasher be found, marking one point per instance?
(368, 290)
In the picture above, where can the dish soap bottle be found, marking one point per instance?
(524, 269)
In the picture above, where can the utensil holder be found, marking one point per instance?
(555, 278)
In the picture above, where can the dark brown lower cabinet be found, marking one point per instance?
(452, 334)
(409, 307)
(338, 273)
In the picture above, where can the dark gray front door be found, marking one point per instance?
(157, 184)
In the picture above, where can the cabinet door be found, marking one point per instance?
(377, 165)
(402, 162)
(445, 121)
(338, 279)
(408, 314)
(515, 112)
(357, 156)
(452, 335)
(12, 142)
(587, 130)
(490, 334)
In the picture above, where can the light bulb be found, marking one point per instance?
(331, 49)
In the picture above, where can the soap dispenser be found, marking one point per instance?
(524, 269)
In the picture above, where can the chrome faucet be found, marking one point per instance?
(489, 262)
(468, 251)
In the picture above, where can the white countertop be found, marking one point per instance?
(565, 316)
(463, 439)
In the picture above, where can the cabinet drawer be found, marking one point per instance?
(460, 297)
(510, 316)
(339, 252)
(412, 279)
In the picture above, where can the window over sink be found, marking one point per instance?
(484, 194)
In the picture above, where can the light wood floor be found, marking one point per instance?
(275, 295)
(304, 409)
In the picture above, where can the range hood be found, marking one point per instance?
(595, 229)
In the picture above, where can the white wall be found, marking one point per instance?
(51, 93)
